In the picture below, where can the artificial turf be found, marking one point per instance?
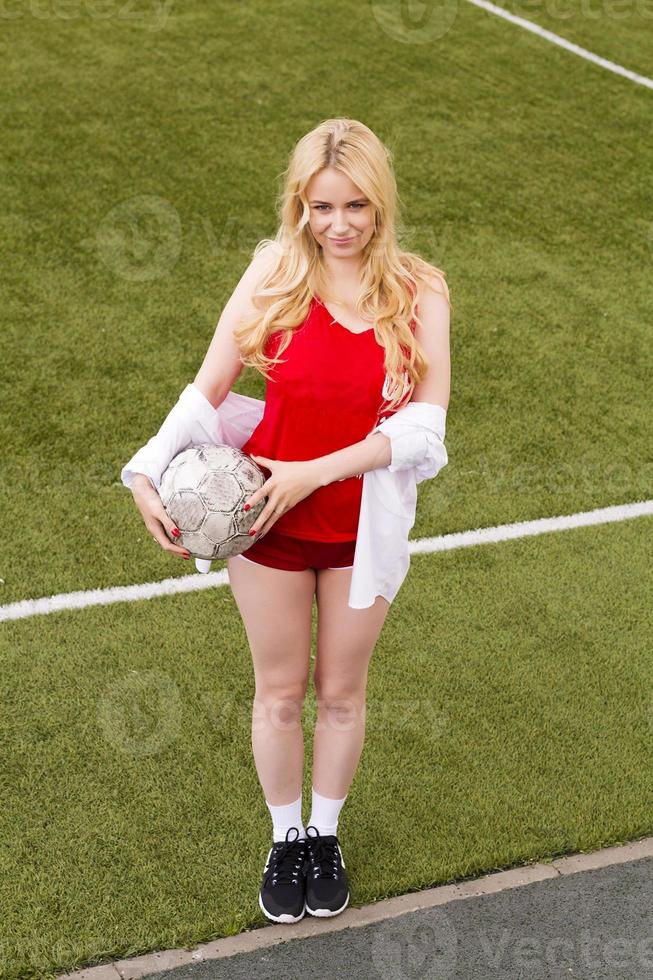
(509, 712)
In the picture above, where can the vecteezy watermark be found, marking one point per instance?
(415, 21)
(285, 714)
(519, 955)
(429, 949)
(408, 714)
(431, 239)
(141, 713)
(620, 481)
(140, 238)
(232, 234)
(496, 477)
(606, 10)
(152, 14)
(344, 714)
(425, 949)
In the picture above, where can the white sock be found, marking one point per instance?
(285, 816)
(324, 813)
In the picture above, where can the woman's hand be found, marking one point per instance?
(289, 483)
(153, 512)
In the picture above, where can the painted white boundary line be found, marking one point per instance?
(446, 542)
(522, 529)
(569, 45)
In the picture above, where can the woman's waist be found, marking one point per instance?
(330, 513)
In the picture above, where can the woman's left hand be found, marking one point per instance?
(289, 483)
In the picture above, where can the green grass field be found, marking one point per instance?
(510, 715)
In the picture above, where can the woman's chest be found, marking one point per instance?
(345, 317)
(324, 371)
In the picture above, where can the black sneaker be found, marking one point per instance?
(281, 897)
(327, 888)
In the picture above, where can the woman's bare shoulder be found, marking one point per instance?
(436, 285)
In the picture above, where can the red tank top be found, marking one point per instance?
(329, 394)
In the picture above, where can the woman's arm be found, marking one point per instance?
(433, 336)
(222, 364)
(201, 399)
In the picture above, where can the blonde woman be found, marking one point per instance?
(347, 328)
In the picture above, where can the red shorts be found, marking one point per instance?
(296, 554)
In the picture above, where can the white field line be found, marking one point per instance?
(446, 542)
(568, 45)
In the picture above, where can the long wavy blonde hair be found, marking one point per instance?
(389, 274)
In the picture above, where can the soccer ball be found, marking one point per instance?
(203, 491)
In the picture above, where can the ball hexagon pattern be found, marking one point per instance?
(203, 491)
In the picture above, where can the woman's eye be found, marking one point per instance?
(355, 204)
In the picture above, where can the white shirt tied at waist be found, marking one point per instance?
(389, 496)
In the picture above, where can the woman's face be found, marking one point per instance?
(339, 211)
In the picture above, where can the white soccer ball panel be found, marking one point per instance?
(187, 510)
(188, 474)
(220, 491)
(198, 544)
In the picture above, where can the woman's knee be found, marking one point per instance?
(279, 706)
(290, 691)
(337, 679)
(343, 710)
(333, 695)
(341, 695)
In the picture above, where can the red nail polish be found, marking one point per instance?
(176, 532)
(246, 507)
(252, 532)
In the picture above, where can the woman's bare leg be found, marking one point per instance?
(276, 607)
(345, 642)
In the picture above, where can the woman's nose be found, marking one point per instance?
(340, 224)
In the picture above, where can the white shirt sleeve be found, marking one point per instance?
(416, 434)
(178, 431)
